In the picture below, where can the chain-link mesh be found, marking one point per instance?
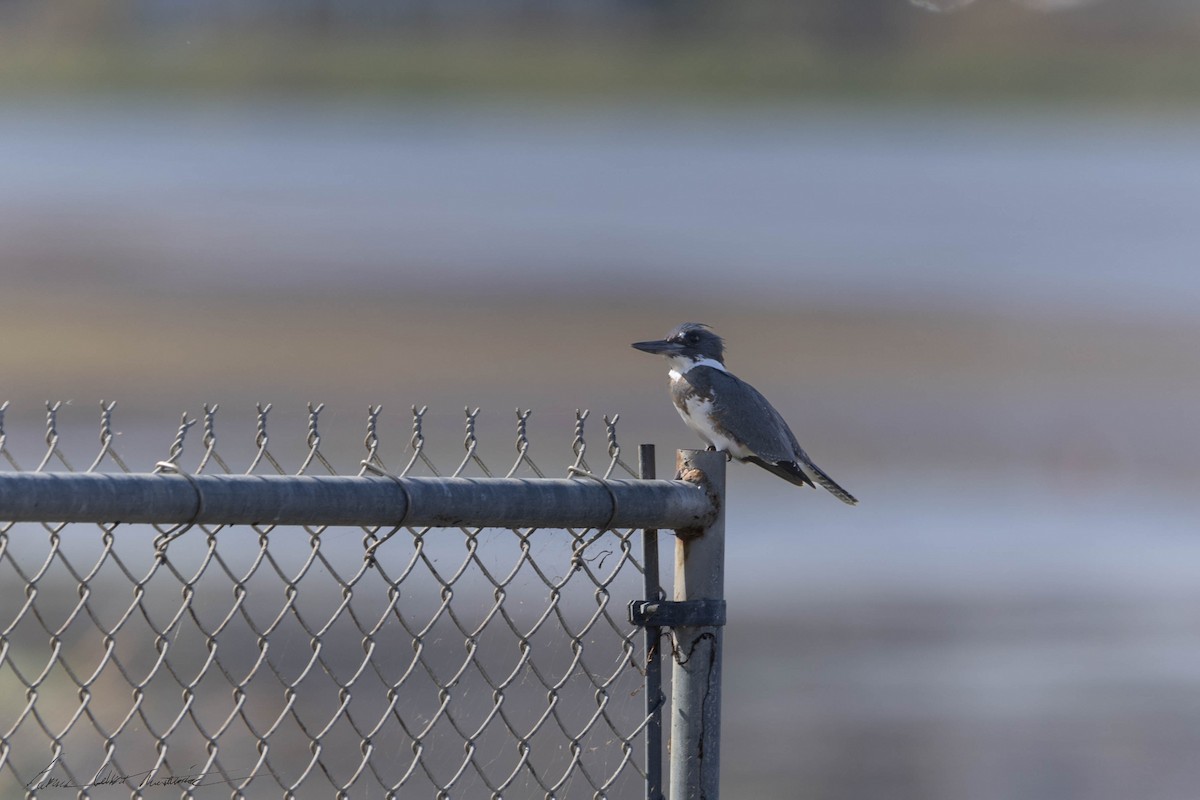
(268, 661)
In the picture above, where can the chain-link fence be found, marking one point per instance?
(215, 630)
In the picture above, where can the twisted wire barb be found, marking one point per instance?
(261, 439)
(209, 440)
(522, 445)
(471, 445)
(314, 442)
(51, 438)
(579, 445)
(107, 437)
(371, 441)
(171, 464)
(417, 443)
(614, 449)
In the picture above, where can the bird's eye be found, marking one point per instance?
(692, 337)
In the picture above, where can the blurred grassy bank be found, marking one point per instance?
(880, 387)
(597, 67)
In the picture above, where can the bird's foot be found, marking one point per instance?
(712, 448)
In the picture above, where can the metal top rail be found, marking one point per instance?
(182, 498)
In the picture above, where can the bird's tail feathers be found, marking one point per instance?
(790, 471)
(829, 483)
(804, 473)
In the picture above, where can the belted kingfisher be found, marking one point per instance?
(729, 414)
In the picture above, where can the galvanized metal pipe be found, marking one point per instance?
(696, 649)
(338, 500)
(655, 699)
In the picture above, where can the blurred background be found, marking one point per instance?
(953, 242)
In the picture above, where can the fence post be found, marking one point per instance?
(656, 701)
(695, 746)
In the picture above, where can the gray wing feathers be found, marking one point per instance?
(755, 421)
(763, 429)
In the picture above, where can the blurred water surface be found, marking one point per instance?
(926, 205)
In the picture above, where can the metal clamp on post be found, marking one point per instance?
(676, 613)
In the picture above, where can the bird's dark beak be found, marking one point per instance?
(659, 348)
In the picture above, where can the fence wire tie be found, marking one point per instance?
(577, 558)
(160, 544)
(369, 466)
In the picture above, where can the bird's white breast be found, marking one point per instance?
(697, 413)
